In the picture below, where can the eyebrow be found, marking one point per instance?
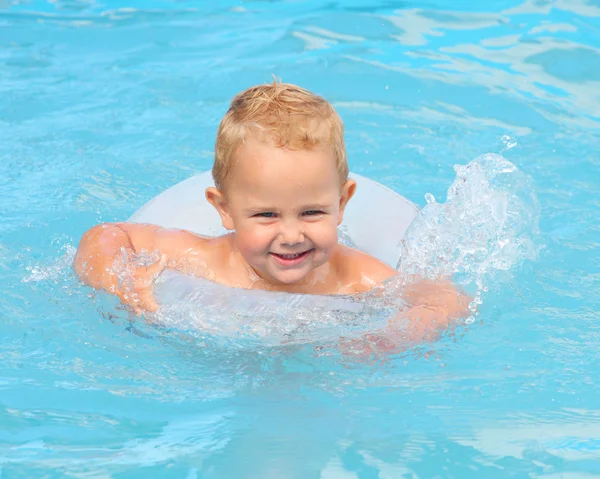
(313, 206)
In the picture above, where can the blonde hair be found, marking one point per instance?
(283, 114)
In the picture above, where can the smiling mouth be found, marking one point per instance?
(290, 256)
(290, 259)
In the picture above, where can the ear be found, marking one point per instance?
(348, 190)
(216, 198)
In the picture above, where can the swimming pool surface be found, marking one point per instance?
(105, 103)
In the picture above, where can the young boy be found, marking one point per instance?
(282, 185)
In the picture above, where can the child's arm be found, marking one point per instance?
(433, 307)
(106, 259)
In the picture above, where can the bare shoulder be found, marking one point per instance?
(185, 251)
(152, 237)
(361, 270)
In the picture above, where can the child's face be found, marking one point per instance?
(285, 206)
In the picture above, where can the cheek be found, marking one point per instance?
(253, 240)
(325, 234)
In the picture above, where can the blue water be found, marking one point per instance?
(105, 104)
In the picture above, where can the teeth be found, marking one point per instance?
(290, 256)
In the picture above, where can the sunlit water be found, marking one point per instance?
(103, 105)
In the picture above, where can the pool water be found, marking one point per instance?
(105, 104)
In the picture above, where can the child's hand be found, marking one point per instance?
(433, 307)
(137, 289)
(424, 323)
(442, 294)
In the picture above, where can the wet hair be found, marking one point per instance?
(281, 114)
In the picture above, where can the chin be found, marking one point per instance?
(289, 277)
(289, 280)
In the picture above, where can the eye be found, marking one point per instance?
(313, 213)
(266, 214)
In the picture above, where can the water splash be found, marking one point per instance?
(488, 224)
(270, 317)
(56, 271)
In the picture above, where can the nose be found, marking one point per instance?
(292, 232)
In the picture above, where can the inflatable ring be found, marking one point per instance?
(374, 221)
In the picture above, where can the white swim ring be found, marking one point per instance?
(375, 222)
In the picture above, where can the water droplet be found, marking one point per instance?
(508, 142)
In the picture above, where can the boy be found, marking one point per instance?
(281, 187)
